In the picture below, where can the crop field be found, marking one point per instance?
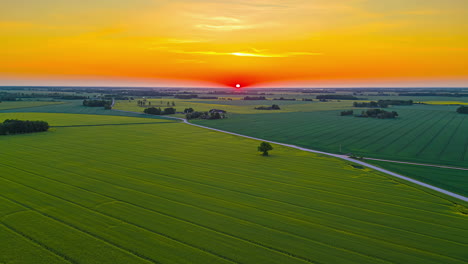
(76, 107)
(448, 179)
(173, 193)
(422, 133)
(236, 106)
(61, 120)
(25, 104)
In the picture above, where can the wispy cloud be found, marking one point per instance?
(249, 54)
(182, 41)
(223, 27)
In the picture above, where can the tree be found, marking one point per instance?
(169, 111)
(188, 110)
(265, 147)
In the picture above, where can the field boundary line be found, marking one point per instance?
(118, 124)
(262, 225)
(247, 240)
(419, 164)
(450, 138)
(96, 211)
(419, 135)
(71, 225)
(38, 243)
(344, 157)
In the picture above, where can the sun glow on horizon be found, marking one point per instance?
(253, 43)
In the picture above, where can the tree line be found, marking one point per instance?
(98, 103)
(462, 110)
(158, 111)
(13, 126)
(190, 113)
(383, 103)
(378, 113)
(273, 107)
(336, 97)
(143, 103)
(254, 98)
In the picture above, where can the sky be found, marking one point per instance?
(221, 43)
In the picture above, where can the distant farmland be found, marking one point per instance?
(427, 134)
(171, 193)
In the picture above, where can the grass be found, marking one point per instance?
(25, 104)
(172, 193)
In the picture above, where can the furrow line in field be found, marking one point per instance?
(451, 137)
(217, 186)
(298, 206)
(387, 172)
(38, 243)
(338, 230)
(435, 136)
(463, 154)
(423, 131)
(155, 211)
(136, 254)
(265, 179)
(423, 125)
(113, 217)
(117, 165)
(269, 180)
(421, 120)
(282, 215)
(402, 123)
(117, 124)
(346, 132)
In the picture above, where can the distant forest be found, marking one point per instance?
(382, 103)
(11, 126)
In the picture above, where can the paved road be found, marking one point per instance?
(343, 157)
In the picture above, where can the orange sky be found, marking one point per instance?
(221, 43)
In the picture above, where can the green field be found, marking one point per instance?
(25, 104)
(72, 107)
(237, 106)
(172, 193)
(448, 179)
(422, 133)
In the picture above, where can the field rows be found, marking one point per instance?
(417, 135)
(210, 198)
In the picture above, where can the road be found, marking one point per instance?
(343, 157)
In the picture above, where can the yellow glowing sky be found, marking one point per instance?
(252, 42)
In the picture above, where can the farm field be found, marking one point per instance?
(236, 106)
(421, 133)
(75, 107)
(448, 179)
(25, 104)
(58, 119)
(173, 193)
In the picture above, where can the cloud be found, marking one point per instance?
(223, 27)
(182, 41)
(249, 54)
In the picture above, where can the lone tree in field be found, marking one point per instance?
(265, 147)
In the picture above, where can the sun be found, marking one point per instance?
(238, 85)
